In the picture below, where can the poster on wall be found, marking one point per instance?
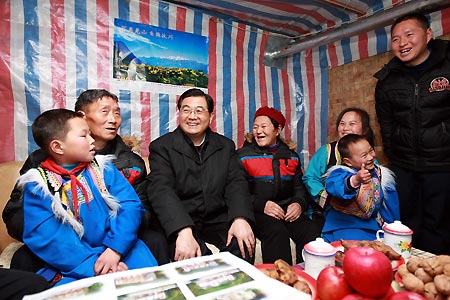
(153, 54)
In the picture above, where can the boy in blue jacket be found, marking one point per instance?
(363, 194)
(81, 216)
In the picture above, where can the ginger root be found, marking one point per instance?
(285, 273)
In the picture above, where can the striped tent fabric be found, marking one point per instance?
(52, 50)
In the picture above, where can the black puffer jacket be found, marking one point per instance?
(185, 188)
(130, 164)
(414, 113)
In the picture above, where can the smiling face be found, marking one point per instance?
(361, 153)
(350, 123)
(194, 118)
(409, 42)
(104, 119)
(264, 132)
(78, 144)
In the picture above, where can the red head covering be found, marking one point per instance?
(271, 113)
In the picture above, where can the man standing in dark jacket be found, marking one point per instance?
(413, 108)
(102, 113)
(196, 186)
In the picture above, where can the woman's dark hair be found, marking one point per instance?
(275, 123)
(365, 122)
(197, 93)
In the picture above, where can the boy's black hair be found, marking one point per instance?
(420, 18)
(365, 122)
(52, 125)
(346, 141)
(197, 93)
(89, 96)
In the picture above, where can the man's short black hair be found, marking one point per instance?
(89, 96)
(420, 18)
(52, 125)
(197, 93)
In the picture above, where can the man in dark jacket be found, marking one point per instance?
(197, 188)
(102, 113)
(413, 108)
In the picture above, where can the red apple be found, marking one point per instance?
(331, 284)
(368, 271)
(356, 296)
(388, 294)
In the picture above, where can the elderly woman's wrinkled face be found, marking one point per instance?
(264, 132)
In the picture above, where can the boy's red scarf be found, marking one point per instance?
(52, 166)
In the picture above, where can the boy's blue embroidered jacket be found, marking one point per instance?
(111, 220)
(337, 185)
(276, 177)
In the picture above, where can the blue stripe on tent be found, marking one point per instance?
(251, 78)
(346, 50)
(382, 40)
(125, 111)
(163, 15)
(81, 46)
(164, 107)
(198, 22)
(31, 68)
(377, 6)
(275, 88)
(226, 105)
(124, 10)
(299, 104)
(324, 94)
(380, 33)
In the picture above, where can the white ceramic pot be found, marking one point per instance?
(317, 255)
(398, 236)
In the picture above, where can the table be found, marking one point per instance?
(217, 276)
(420, 253)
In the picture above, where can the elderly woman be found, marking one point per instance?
(274, 175)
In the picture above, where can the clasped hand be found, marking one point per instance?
(187, 246)
(109, 262)
(293, 211)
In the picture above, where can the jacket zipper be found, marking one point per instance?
(416, 121)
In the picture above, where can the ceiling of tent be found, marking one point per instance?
(295, 18)
(300, 20)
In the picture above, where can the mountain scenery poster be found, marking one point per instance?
(153, 54)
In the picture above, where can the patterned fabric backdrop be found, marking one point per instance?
(52, 50)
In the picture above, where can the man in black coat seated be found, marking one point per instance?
(197, 188)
